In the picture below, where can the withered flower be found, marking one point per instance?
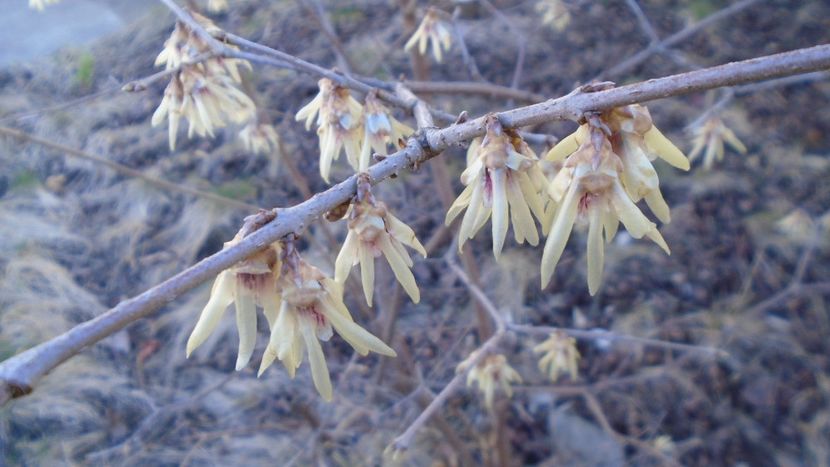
(373, 231)
(249, 284)
(560, 356)
(491, 373)
(600, 182)
(339, 124)
(311, 309)
(710, 135)
(436, 31)
(502, 178)
(380, 129)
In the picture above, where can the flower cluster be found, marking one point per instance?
(560, 356)
(554, 13)
(503, 178)
(339, 124)
(39, 5)
(491, 373)
(373, 231)
(606, 170)
(710, 135)
(204, 91)
(259, 138)
(302, 307)
(342, 123)
(433, 30)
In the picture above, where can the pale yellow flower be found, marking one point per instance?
(339, 124)
(560, 356)
(710, 135)
(311, 309)
(798, 226)
(39, 5)
(217, 6)
(492, 373)
(205, 93)
(554, 13)
(373, 231)
(380, 130)
(249, 284)
(589, 189)
(433, 30)
(503, 178)
(259, 138)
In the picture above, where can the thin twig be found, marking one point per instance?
(642, 19)
(673, 40)
(328, 29)
(521, 40)
(123, 169)
(20, 373)
(468, 60)
(610, 336)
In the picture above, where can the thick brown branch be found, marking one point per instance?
(19, 374)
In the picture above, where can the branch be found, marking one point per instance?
(129, 171)
(674, 39)
(19, 374)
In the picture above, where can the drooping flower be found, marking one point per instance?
(435, 30)
(339, 124)
(250, 283)
(373, 231)
(560, 356)
(380, 129)
(589, 188)
(490, 374)
(39, 5)
(311, 309)
(259, 138)
(205, 92)
(554, 13)
(503, 178)
(217, 6)
(710, 135)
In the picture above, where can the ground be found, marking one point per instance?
(748, 273)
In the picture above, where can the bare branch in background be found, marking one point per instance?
(128, 171)
(674, 39)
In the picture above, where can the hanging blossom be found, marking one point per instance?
(554, 13)
(380, 129)
(39, 5)
(503, 178)
(206, 93)
(311, 310)
(217, 6)
(490, 374)
(259, 138)
(339, 124)
(606, 170)
(250, 284)
(373, 231)
(560, 356)
(433, 30)
(711, 135)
